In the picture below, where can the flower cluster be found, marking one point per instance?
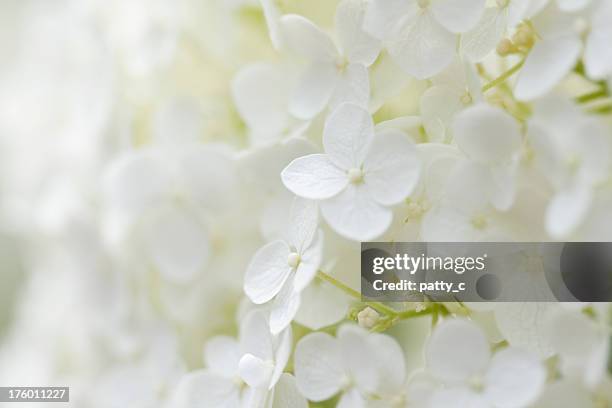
(185, 185)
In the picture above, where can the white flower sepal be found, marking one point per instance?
(281, 269)
(335, 74)
(459, 356)
(421, 35)
(360, 175)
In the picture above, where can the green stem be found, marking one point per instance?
(379, 307)
(503, 77)
(592, 96)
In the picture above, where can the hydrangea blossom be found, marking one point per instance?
(421, 34)
(282, 269)
(359, 176)
(335, 74)
(458, 354)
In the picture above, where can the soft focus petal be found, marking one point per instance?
(477, 43)
(355, 214)
(255, 336)
(347, 136)
(177, 243)
(267, 272)
(356, 45)
(567, 210)
(353, 86)
(515, 379)
(304, 37)
(222, 355)
(314, 177)
(458, 397)
(318, 366)
(597, 52)
(352, 398)
(391, 168)
(201, 388)
(458, 17)
(572, 5)
(547, 64)
(314, 90)
(287, 394)
(321, 306)
(254, 371)
(382, 15)
(457, 350)
(487, 134)
(422, 47)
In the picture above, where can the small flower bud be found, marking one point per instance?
(505, 47)
(367, 318)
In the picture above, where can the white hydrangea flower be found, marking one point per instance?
(362, 366)
(359, 176)
(458, 354)
(556, 54)
(491, 139)
(336, 74)
(282, 269)
(455, 89)
(496, 21)
(240, 373)
(573, 151)
(421, 34)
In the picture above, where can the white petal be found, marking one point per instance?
(267, 272)
(314, 90)
(565, 394)
(272, 16)
(314, 177)
(260, 97)
(321, 306)
(353, 86)
(523, 324)
(254, 371)
(202, 388)
(284, 308)
(422, 47)
(572, 5)
(287, 395)
(352, 398)
(310, 263)
(457, 350)
(318, 366)
(598, 53)
(480, 41)
(458, 17)
(304, 221)
(382, 15)
(136, 181)
(355, 215)
(283, 344)
(391, 366)
(391, 168)
(347, 135)
(356, 45)
(222, 355)
(304, 37)
(515, 379)
(439, 105)
(218, 192)
(177, 243)
(547, 64)
(255, 336)
(359, 357)
(567, 210)
(487, 134)
(457, 397)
